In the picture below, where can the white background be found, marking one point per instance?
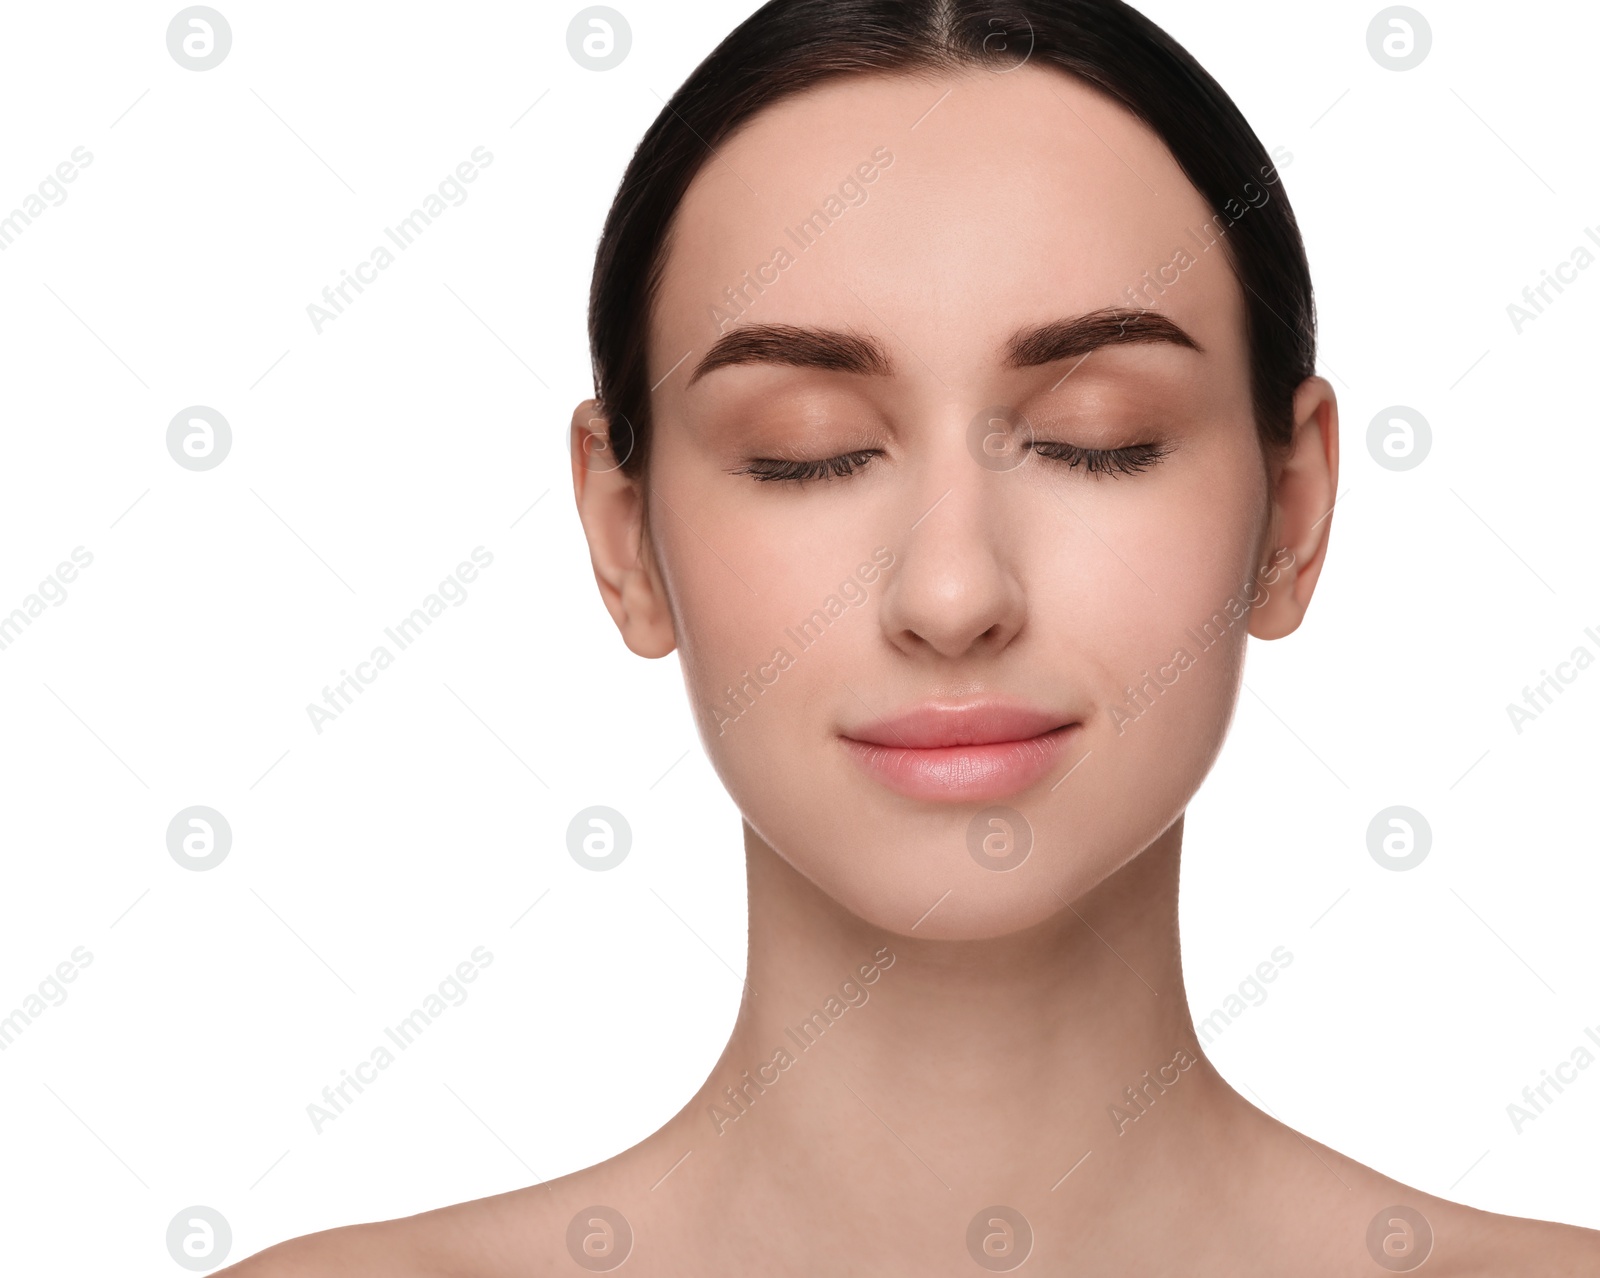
(431, 418)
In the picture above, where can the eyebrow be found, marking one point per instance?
(848, 352)
(800, 347)
(1112, 326)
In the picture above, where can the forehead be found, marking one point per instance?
(940, 211)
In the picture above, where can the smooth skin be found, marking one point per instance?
(981, 1064)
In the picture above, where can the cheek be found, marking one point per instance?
(728, 628)
(1179, 620)
(769, 606)
(1165, 642)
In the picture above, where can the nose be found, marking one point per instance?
(956, 590)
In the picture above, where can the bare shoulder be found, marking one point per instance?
(1486, 1243)
(1349, 1212)
(352, 1249)
(501, 1236)
(387, 1247)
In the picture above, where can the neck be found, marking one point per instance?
(997, 1070)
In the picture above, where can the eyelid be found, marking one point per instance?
(809, 470)
(1130, 459)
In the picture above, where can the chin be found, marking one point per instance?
(918, 875)
(972, 869)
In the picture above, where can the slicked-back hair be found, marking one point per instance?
(788, 46)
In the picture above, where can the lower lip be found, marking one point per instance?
(964, 773)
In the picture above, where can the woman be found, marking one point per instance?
(956, 422)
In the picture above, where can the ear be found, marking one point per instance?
(1305, 483)
(611, 508)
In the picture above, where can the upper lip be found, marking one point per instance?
(933, 725)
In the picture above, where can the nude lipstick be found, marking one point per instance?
(961, 752)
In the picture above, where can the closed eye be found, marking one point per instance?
(1101, 461)
(1129, 460)
(781, 470)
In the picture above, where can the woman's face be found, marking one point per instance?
(836, 631)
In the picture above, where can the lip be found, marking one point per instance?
(962, 753)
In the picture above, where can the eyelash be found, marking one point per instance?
(774, 470)
(1130, 460)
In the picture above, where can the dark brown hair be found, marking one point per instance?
(787, 46)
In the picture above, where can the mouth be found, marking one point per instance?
(962, 753)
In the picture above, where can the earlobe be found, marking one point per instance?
(1304, 487)
(611, 509)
